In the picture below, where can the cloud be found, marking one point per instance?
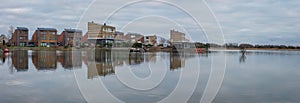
(257, 20)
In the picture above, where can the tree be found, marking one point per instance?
(11, 30)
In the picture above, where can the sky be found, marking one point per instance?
(235, 21)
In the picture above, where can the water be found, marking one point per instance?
(77, 76)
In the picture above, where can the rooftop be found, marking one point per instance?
(73, 30)
(49, 29)
(22, 28)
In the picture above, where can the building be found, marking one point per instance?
(150, 40)
(45, 37)
(119, 35)
(3, 39)
(176, 36)
(102, 35)
(70, 37)
(20, 37)
(134, 37)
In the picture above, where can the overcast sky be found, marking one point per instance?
(242, 21)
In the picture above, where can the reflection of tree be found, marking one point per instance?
(20, 60)
(44, 60)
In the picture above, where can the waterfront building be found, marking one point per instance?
(20, 37)
(70, 37)
(101, 35)
(43, 37)
(134, 37)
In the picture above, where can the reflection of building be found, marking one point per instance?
(176, 61)
(70, 37)
(20, 60)
(45, 37)
(44, 60)
(102, 64)
(70, 59)
(136, 58)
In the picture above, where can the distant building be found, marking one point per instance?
(119, 35)
(3, 40)
(176, 36)
(71, 37)
(134, 37)
(45, 37)
(20, 37)
(150, 40)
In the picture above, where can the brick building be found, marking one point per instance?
(71, 37)
(20, 37)
(45, 37)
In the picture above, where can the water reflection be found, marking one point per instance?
(98, 62)
(20, 60)
(44, 60)
(243, 58)
(70, 59)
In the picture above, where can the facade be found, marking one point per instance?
(3, 40)
(97, 31)
(45, 37)
(70, 37)
(176, 36)
(100, 35)
(133, 37)
(20, 37)
(119, 35)
(150, 40)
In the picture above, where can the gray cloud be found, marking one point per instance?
(252, 21)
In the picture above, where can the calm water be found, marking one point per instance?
(88, 76)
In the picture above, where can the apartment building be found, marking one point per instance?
(20, 37)
(43, 37)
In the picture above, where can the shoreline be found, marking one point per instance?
(127, 49)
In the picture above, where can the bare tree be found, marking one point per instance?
(11, 30)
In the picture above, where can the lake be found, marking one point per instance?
(118, 76)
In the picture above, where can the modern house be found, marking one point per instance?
(134, 37)
(179, 41)
(150, 40)
(176, 36)
(45, 37)
(102, 35)
(20, 37)
(70, 37)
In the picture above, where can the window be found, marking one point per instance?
(43, 32)
(52, 33)
(52, 38)
(42, 38)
